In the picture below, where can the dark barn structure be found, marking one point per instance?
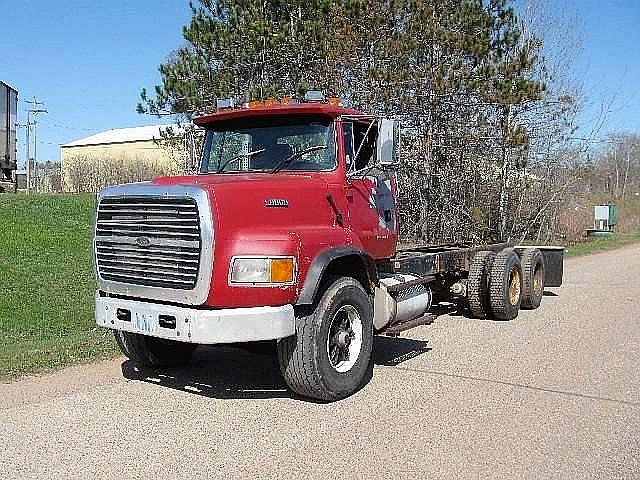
(8, 120)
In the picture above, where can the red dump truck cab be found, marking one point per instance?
(288, 232)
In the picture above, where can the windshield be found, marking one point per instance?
(270, 144)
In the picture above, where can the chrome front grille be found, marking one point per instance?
(149, 241)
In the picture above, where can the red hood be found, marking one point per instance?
(245, 202)
(263, 214)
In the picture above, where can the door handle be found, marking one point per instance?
(334, 207)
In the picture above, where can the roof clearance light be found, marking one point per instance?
(270, 102)
(314, 96)
(225, 103)
(334, 101)
(255, 104)
(286, 101)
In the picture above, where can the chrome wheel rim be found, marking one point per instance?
(344, 341)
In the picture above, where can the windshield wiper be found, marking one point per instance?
(286, 161)
(248, 154)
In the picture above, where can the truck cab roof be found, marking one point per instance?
(290, 109)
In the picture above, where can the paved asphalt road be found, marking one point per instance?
(552, 394)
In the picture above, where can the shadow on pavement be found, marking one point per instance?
(219, 372)
(389, 352)
(454, 309)
(251, 371)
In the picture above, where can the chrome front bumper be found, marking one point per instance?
(192, 325)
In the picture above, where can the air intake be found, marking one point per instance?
(149, 241)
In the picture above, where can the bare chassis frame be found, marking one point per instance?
(442, 265)
(446, 259)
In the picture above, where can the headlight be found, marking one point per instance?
(262, 270)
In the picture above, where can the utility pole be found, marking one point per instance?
(32, 111)
(27, 129)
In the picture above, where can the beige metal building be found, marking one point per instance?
(119, 156)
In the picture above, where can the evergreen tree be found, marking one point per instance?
(459, 73)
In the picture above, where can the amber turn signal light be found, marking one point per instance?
(281, 270)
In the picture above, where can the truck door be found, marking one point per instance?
(369, 190)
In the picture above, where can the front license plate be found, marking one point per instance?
(145, 322)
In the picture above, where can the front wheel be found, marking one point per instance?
(329, 357)
(153, 352)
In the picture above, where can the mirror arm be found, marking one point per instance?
(363, 171)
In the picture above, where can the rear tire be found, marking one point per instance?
(533, 271)
(153, 352)
(505, 285)
(478, 284)
(329, 357)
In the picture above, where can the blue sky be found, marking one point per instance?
(88, 60)
(611, 59)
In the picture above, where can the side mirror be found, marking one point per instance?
(388, 142)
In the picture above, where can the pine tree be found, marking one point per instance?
(459, 73)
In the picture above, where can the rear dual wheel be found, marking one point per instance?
(505, 285)
(499, 285)
(478, 284)
(533, 271)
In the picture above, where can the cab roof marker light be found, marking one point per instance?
(270, 102)
(225, 103)
(313, 96)
(289, 101)
(254, 104)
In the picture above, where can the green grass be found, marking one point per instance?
(598, 244)
(47, 285)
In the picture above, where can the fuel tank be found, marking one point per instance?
(403, 306)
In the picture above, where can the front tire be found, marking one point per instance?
(153, 352)
(329, 357)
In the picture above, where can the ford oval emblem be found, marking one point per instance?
(143, 241)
